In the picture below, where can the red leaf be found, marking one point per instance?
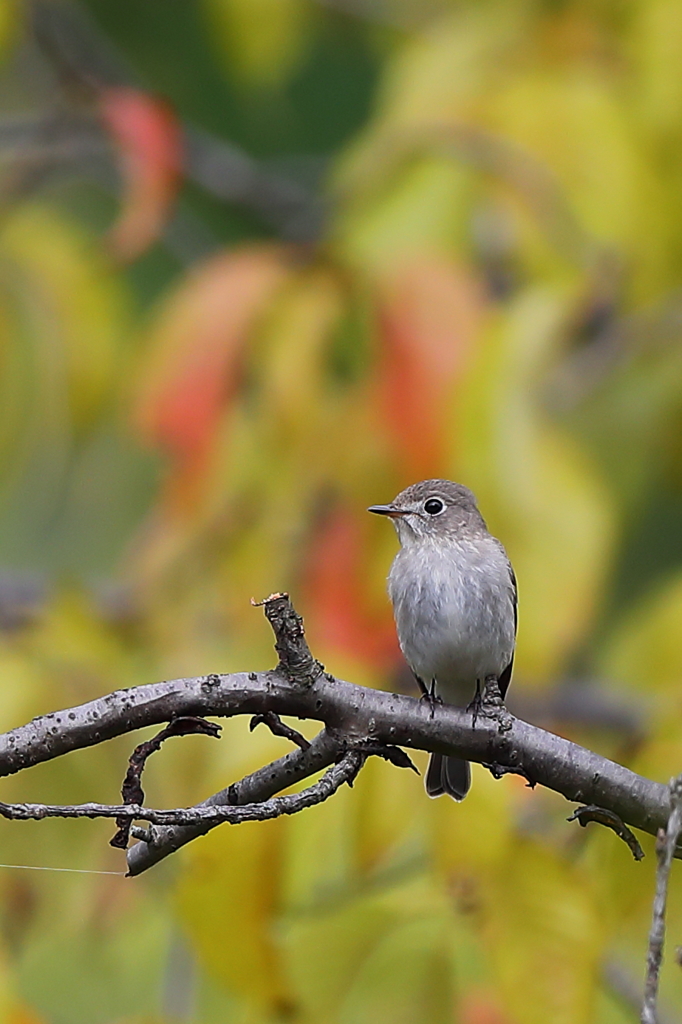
(429, 313)
(195, 354)
(148, 140)
(337, 610)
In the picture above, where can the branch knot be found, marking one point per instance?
(295, 659)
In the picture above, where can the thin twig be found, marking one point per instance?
(627, 989)
(395, 755)
(584, 815)
(343, 772)
(279, 728)
(131, 790)
(254, 788)
(666, 843)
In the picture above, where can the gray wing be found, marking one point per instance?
(505, 676)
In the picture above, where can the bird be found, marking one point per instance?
(454, 598)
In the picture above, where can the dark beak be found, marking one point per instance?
(388, 510)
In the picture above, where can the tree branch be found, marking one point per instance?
(666, 844)
(255, 788)
(279, 728)
(84, 62)
(584, 815)
(131, 790)
(551, 760)
(355, 717)
(345, 771)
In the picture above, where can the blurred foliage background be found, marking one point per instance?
(262, 264)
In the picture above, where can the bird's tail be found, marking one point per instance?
(449, 775)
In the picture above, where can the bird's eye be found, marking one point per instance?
(434, 506)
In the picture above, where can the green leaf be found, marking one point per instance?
(262, 40)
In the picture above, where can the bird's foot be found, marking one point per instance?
(489, 703)
(429, 696)
(492, 696)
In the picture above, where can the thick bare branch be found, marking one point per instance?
(550, 760)
(353, 715)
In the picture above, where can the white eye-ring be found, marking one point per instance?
(434, 506)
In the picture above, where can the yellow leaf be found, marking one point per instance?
(73, 308)
(536, 487)
(421, 210)
(352, 948)
(572, 122)
(473, 836)
(390, 812)
(644, 650)
(655, 47)
(228, 899)
(262, 39)
(8, 21)
(437, 78)
(406, 977)
(544, 937)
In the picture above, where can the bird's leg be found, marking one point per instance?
(475, 706)
(422, 685)
(488, 703)
(491, 704)
(429, 694)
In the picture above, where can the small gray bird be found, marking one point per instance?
(453, 592)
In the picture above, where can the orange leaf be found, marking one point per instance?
(21, 1014)
(480, 1007)
(148, 140)
(196, 348)
(338, 615)
(430, 312)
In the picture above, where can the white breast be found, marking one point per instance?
(454, 612)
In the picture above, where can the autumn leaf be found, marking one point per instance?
(333, 591)
(430, 312)
(191, 367)
(147, 138)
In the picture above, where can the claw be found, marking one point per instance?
(430, 696)
(492, 697)
(487, 702)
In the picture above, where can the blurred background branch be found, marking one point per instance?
(85, 68)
